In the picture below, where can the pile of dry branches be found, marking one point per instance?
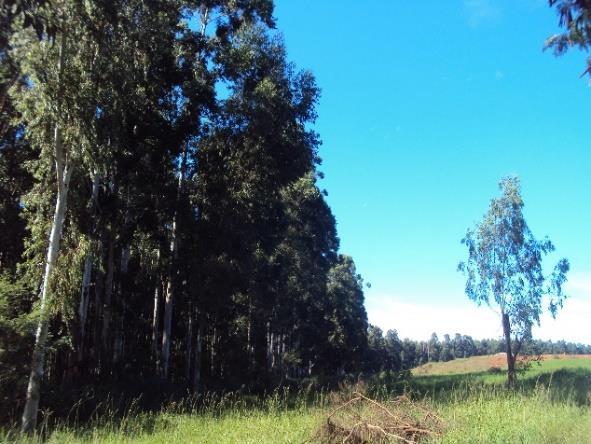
(363, 420)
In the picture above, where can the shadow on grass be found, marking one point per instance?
(137, 410)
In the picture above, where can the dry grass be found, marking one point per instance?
(462, 365)
(477, 364)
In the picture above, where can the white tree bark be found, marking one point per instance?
(168, 305)
(63, 166)
(64, 172)
(156, 318)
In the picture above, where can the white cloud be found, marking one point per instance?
(419, 320)
(579, 283)
(481, 11)
(571, 323)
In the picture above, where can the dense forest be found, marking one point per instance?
(162, 221)
(162, 157)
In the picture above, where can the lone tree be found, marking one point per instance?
(504, 269)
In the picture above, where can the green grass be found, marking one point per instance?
(235, 427)
(549, 405)
(498, 417)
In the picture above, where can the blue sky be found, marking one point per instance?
(425, 106)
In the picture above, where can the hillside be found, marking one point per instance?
(476, 364)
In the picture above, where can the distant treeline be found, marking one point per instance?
(389, 352)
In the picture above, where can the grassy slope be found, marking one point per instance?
(486, 363)
(550, 405)
(461, 365)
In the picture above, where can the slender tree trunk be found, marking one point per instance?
(156, 320)
(63, 167)
(166, 331)
(99, 287)
(84, 301)
(189, 344)
(118, 323)
(212, 351)
(170, 285)
(121, 286)
(198, 354)
(509, 352)
(107, 309)
(86, 278)
(64, 172)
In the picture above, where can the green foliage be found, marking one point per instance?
(575, 17)
(17, 322)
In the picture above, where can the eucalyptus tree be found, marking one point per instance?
(304, 311)
(53, 105)
(377, 352)
(259, 145)
(347, 336)
(202, 63)
(393, 351)
(504, 269)
(446, 349)
(575, 17)
(76, 106)
(433, 348)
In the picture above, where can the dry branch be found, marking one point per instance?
(362, 420)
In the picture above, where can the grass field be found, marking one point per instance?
(550, 405)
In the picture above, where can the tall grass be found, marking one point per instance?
(550, 405)
(498, 416)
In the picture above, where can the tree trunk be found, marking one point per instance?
(509, 352)
(86, 278)
(212, 352)
(118, 323)
(198, 354)
(64, 172)
(84, 301)
(156, 322)
(189, 344)
(170, 285)
(166, 331)
(99, 286)
(107, 309)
